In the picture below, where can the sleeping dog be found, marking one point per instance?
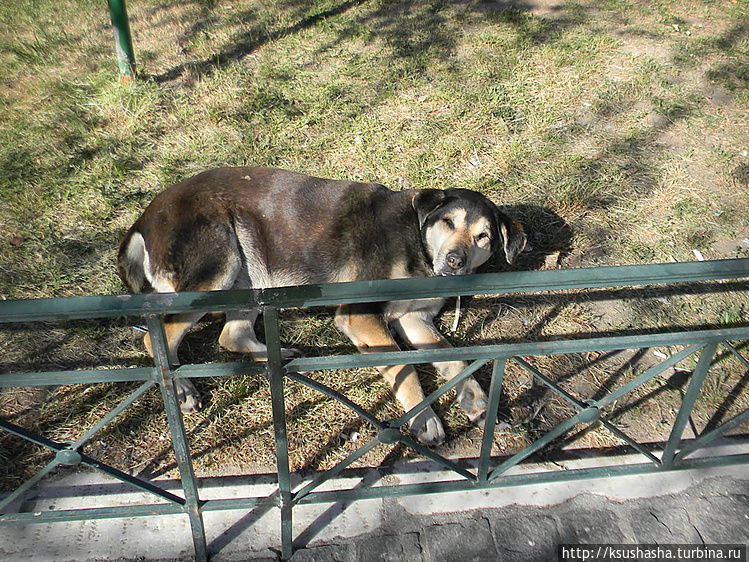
(236, 228)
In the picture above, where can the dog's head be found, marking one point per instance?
(461, 229)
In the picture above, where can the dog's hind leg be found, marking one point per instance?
(418, 329)
(218, 273)
(369, 333)
(239, 336)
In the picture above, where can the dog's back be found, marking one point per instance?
(269, 227)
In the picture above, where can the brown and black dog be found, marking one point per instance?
(236, 228)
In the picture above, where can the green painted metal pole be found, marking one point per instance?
(276, 375)
(123, 40)
(180, 446)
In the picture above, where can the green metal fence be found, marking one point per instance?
(490, 472)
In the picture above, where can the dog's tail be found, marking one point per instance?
(131, 261)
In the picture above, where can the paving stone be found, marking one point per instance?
(589, 519)
(526, 535)
(721, 519)
(469, 541)
(668, 524)
(389, 548)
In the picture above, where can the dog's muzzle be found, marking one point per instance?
(455, 262)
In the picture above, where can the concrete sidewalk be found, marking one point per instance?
(715, 510)
(523, 523)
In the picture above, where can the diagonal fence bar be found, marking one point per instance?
(325, 476)
(441, 391)
(580, 405)
(30, 483)
(66, 455)
(495, 390)
(351, 405)
(690, 397)
(116, 411)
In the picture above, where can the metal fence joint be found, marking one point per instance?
(69, 457)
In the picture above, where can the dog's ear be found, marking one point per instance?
(426, 201)
(513, 236)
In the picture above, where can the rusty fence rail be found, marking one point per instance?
(676, 453)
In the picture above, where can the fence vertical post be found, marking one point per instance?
(123, 40)
(276, 375)
(179, 440)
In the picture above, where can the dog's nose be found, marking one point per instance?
(456, 260)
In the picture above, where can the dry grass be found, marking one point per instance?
(618, 131)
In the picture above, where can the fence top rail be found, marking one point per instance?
(110, 306)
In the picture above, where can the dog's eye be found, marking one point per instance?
(483, 236)
(449, 222)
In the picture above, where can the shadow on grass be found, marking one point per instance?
(416, 31)
(257, 36)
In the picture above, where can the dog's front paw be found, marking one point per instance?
(428, 428)
(472, 401)
(187, 396)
